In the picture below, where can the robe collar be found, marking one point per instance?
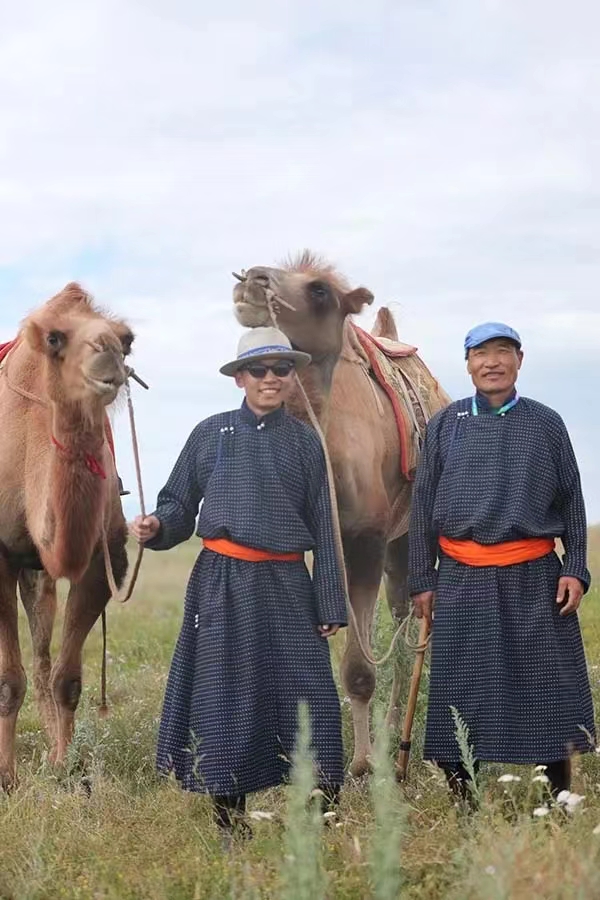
(484, 405)
(267, 421)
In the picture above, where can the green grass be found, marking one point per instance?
(136, 837)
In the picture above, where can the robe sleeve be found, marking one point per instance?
(327, 577)
(179, 500)
(572, 507)
(422, 539)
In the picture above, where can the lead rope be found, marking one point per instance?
(272, 301)
(116, 592)
(405, 623)
(110, 576)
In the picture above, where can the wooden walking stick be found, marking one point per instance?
(413, 693)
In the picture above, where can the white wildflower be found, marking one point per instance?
(569, 800)
(258, 815)
(329, 815)
(540, 768)
(490, 870)
(543, 779)
(541, 811)
(506, 778)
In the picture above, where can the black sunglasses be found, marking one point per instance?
(279, 369)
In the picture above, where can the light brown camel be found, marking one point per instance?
(312, 303)
(58, 488)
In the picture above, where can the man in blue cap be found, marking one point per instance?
(497, 485)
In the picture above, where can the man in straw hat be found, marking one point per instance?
(497, 484)
(253, 642)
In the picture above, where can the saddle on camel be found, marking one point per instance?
(59, 501)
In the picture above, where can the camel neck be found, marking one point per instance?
(316, 380)
(77, 430)
(77, 493)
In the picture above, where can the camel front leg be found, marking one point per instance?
(364, 563)
(38, 595)
(358, 678)
(85, 603)
(13, 682)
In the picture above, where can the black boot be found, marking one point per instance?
(559, 775)
(459, 782)
(229, 816)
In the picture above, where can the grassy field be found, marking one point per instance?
(137, 838)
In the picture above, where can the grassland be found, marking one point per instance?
(136, 837)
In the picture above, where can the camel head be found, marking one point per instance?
(306, 298)
(83, 349)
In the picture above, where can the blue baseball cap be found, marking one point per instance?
(487, 332)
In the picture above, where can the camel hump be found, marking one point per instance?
(385, 326)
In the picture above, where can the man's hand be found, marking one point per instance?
(328, 631)
(570, 590)
(423, 606)
(144, 528)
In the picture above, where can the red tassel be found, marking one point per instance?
(91, 462)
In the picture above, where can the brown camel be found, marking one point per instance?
(311, 303)
(58, 490)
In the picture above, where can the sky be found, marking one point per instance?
(443, 154)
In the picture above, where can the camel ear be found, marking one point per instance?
(45, 339)
(353, 301)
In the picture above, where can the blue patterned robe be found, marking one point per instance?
(501, 654)
(249, 650)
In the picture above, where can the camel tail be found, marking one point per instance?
(385, 325)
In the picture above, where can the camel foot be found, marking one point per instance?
(361, 765)
(8, 782)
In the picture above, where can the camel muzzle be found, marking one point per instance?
(256, 299)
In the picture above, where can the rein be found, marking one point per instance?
(274, 302)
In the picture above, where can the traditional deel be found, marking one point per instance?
(501, 655)
(249, 650)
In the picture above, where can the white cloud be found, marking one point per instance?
(440, 153)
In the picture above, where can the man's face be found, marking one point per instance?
(266, 390)
(494, 366)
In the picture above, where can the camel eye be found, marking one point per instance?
(126, 342)
(320, 296)
(55, 341)
(319, 290)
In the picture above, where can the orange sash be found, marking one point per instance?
(509, 553)
(248, 554)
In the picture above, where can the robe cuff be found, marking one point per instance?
(333, 613)
(573, 572)
(418, 584)
(160, 539)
